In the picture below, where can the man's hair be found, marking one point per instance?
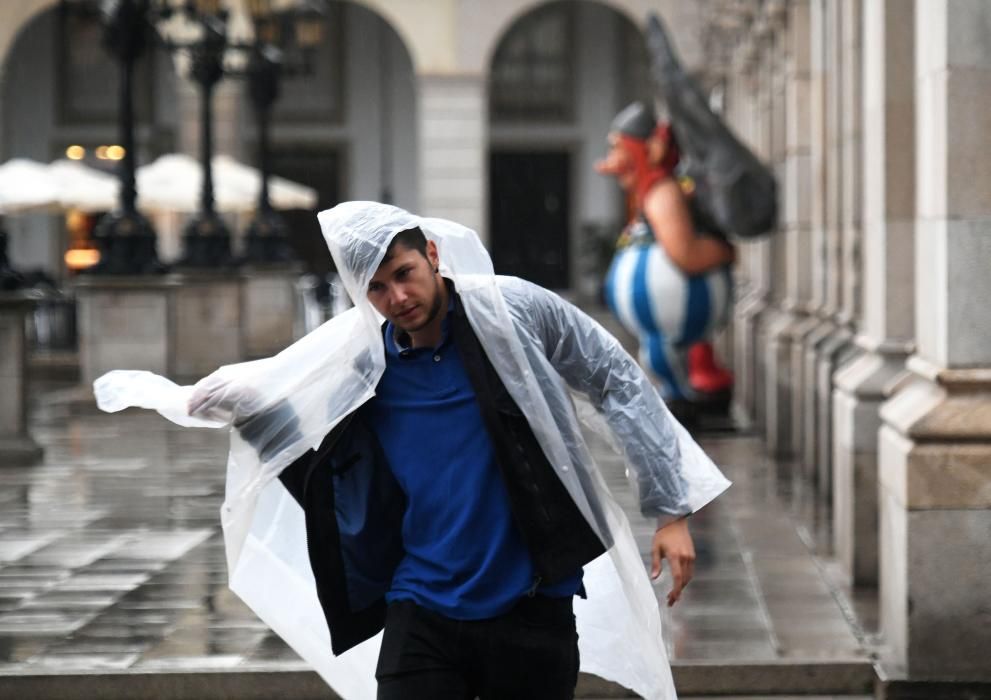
(410, 239)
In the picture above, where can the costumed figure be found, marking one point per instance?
(670, 280)
(668, 284)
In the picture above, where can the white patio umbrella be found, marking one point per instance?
(26, 185)
(84, 188)
(282, 193)
(173, 183)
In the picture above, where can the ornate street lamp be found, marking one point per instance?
(125, 238)
(206, 239)
(301, 27)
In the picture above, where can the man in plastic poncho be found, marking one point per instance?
(433, 468)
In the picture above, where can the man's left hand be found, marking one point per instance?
(674, 543)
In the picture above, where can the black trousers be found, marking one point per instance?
(529, 652)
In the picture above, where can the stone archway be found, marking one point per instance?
(488, 30)
(349, 128)
(14, 18)
(557, 76)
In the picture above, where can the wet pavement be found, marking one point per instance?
(111, 561)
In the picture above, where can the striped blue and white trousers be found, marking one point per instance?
(667, 310)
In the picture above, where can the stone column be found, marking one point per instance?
(206, 322)
(181, 325)
(793, 238)
(837, 348)
(453, 149)
(125, 323)
(826, 272)
(770, 151)
(751, 293)
(935, 444)
(16, 444)
(269, 308)
(810, 333)
(888, 276)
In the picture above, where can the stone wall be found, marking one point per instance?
(876, 371)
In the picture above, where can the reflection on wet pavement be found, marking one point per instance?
(111, 558)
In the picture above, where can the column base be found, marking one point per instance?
(744, 353)
(810, 404)
(181, 325)
(16, 446)
(835, 351)
(779, 385)
(894, 689)
(860, 389)
(19, 450)
(799, 339)
(763, 321)
(268, 309)
(935, 512)
(206, 322)
(124, 323)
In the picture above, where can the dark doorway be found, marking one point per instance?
(321, 167)
(529, 206)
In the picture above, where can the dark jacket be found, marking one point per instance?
(354, 506)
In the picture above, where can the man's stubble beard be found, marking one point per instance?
(434, 309)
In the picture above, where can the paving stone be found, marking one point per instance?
(34, 622)
(70, 600)
(65, 662)
(17, 649)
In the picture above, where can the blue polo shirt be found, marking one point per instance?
(465, 557)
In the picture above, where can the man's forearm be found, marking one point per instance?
(270, 430)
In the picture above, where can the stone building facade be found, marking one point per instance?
(862, 337)
(410, 106)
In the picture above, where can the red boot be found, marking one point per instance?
(705, 375)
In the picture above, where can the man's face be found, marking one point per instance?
(621, 162)
(406, 290)
(618, 162)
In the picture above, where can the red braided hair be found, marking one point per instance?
(648, 174)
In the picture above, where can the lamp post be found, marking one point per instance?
(206, 238)
(302, 27)
(125, 238)
(265, 240)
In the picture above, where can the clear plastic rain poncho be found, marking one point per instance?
(541, 347)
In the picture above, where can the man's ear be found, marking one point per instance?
(433, 257)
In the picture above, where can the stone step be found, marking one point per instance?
(787, 677)
(814, 677)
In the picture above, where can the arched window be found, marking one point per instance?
(88, 78)
(532, 76)
(634, 79)
(318, 96)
